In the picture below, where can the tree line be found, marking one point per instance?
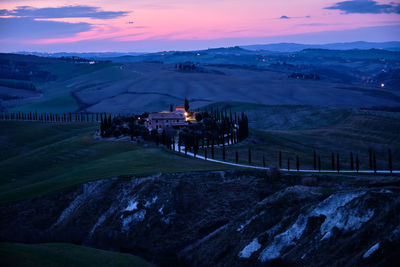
(54, 117)
(337, 163)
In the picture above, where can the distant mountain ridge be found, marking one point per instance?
(275, 47)
(89, 55)
(294, 47)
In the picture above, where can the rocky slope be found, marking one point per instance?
(221, 219)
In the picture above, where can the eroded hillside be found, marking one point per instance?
(228, 218)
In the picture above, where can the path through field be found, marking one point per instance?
(286, 170)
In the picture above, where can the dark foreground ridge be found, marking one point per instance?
(232, 218)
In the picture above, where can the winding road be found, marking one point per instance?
(286, 170)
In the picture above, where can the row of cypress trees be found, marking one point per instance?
(354, 164)
(229, 118)
(336, 165)
(53, 117)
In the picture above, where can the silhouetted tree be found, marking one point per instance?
(390, 161)
(171, 108)
(280, 159)
(187, 105)
(205, 153)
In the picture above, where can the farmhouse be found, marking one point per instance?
(165, 119)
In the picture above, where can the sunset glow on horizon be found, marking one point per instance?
(154, 25)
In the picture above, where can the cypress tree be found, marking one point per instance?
(280, 159)
(195, 147)
(338, 162)
(357, 163)
(237, 157)
(187, 105)
(249, 156)
(297, 163)
(315, 160)
(390, 160)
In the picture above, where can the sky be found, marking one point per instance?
(162, 25)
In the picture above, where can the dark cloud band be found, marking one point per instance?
(365, 7)
(62, 12)
(28, 28)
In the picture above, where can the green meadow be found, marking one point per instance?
(39, 158)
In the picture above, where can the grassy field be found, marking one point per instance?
(38, 158)
(63, 254)
(299, 130)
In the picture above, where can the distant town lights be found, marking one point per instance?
(382, 85)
